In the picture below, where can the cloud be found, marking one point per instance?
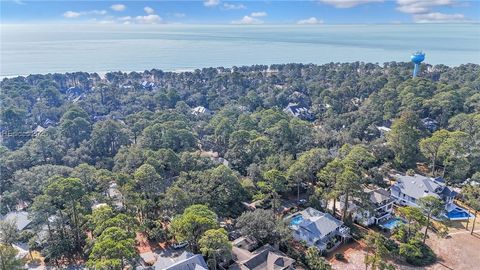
(71, 14)
(74, 14)
(437, 17)
(148, 19)
(149, 10)
(248, 20)
(118, 7)
(348, 3)
(126, 18)
(259, 14)
(179, 15)
(423, 11)
(416, 7)
(253, 18)
(106, 22)
(211, 3)
(311, 20)
(229, 6)
(96, 12)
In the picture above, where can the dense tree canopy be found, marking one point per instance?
(74, 141)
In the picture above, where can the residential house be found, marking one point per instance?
(186, 261)
(200, 110)
(20, 218)
(408, 189)
(430, 124)
(245, 243)
(215, 157)
(264, 258)
(22, 222)
(148, 85)
(74, 92)
(78, 98)
(299, 111)
(48, 122)
(114, 194)
(383, 130)
(318, 229)
(379, 207)
(38, 130)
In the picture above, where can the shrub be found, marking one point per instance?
(417, 254)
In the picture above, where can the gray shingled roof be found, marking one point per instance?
(186, 261)
(266, 258)
(418, 186)
(318, 223)
(379, 195)
(20, 217)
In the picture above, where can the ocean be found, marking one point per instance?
(41, 48)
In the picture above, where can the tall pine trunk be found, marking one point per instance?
(433, 166)
(334, 206)
(473, 224)
(426, 229)
(75, 221)
(468, 219)
(298, 192)
(345, 207)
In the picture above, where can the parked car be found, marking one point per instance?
(180, 245)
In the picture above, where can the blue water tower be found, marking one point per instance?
(417, 58)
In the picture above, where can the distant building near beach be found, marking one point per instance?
(430, 124)
(148, 85)
(200, 110)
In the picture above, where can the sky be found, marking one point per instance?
(240, 12)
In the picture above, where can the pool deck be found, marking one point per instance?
(395, 220)
(459, 209)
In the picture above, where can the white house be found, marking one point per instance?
(200, 110)
(318, 229)
(408, 189)
(379, 207)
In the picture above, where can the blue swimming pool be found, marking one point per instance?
(458, 214)
(296, 220)
(392, 223)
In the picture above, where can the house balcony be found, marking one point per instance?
(329, 244)
(381, 213)
(344, 232)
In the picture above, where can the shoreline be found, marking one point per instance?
(100, 73)
(182, 70)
